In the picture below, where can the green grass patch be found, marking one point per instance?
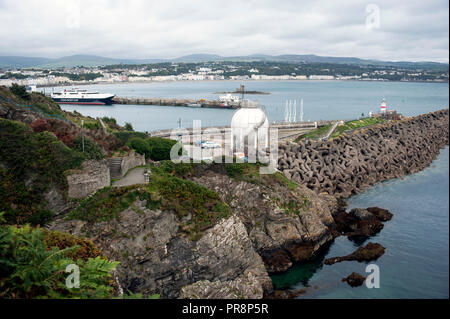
(199, 208)
(316, 134)
(352, 125)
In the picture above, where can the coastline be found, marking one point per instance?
(229, 80)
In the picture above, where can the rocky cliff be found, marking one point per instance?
(156, 258)
(274, 223)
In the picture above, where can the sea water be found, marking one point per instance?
(322, 100)
(416, 261)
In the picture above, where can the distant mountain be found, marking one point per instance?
(9, 62)
(21, 62)
(193, 58)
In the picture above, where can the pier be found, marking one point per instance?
(204, 103)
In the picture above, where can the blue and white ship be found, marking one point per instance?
(77, 96)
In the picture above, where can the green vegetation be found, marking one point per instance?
(91, 150)
(317, 133)
(284, 180)
(18, 98)
(20, 91)
(199, 208)
(30, 163)
(31, 266)
(79, 77)
(125, 136)
(295, 206)
(348, 126)
(154, 148)
(128, 126)
(140, 145)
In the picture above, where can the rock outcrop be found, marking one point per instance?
(243, 287)
(156, 258)
(280, 234)
(354, 279)
(352, 162)
(360, 223)
(366, 253)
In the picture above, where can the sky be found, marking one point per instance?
(413, 30)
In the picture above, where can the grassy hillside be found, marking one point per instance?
(31, 163)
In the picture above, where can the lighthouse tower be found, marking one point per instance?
(383, 106)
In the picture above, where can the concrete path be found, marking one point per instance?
(134, 176)
(332, 130)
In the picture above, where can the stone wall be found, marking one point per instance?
(132, 160)
(93, 176)
(353, 161)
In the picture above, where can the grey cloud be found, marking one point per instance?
(409, 30)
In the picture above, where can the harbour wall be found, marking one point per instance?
(352, 162)
(173, 102)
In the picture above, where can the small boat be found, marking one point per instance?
(193, 105)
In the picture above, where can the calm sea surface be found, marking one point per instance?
(416, 261)
(327, 100)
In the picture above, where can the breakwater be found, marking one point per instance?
(175, 102)
(354, 161)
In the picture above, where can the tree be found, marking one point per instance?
(20, 91)
(128, 126)
(140, 145)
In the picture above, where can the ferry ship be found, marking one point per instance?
(77, 96)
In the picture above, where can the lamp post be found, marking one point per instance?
(82, 134)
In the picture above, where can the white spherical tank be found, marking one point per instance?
(250, 122)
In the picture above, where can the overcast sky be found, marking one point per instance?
(414, 30)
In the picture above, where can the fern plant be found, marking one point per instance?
(31, 269)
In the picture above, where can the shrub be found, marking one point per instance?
(92, 125)
(30, 268)
(91, 150)
(160, 148)
(140, 145)
(30, 163)
(126, 136)
(20, 91)
(128, 126)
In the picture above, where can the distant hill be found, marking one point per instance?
(9, 62)
(21, 62)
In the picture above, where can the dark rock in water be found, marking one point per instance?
(286, 294)
(380, 213)
(355, 279)
(368, 253)
(276, 260)
(358, 223)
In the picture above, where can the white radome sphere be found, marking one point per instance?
(249, 121)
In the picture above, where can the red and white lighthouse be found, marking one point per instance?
(383, 106)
